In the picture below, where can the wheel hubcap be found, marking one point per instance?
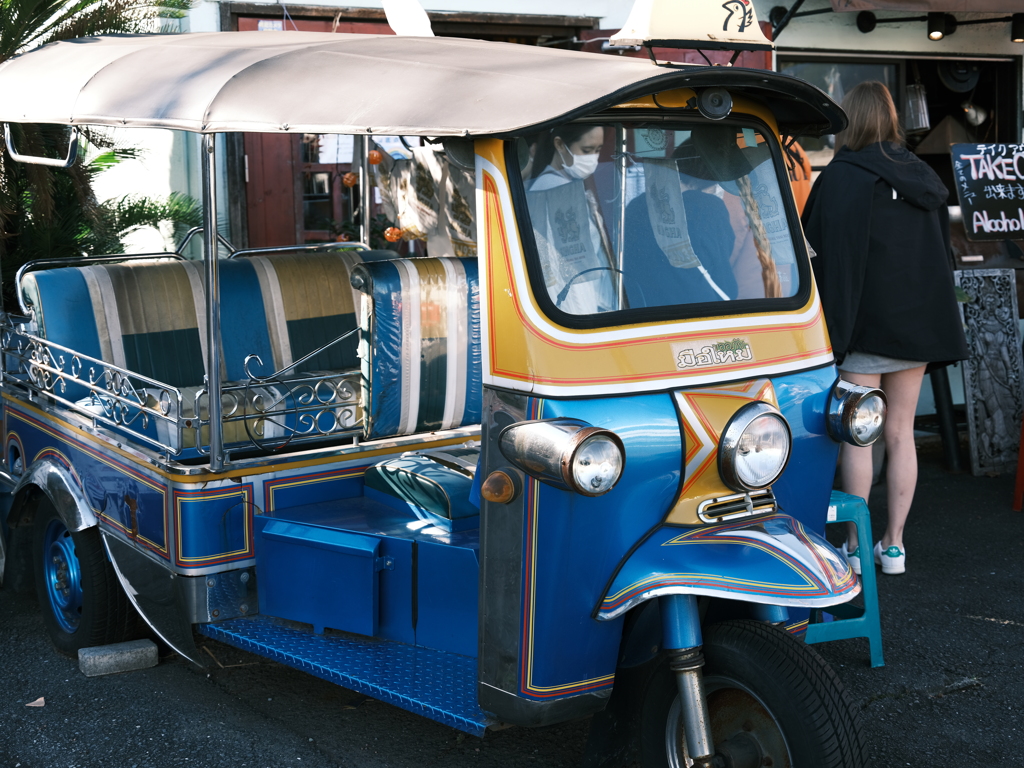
(744, 731)
(62, 576)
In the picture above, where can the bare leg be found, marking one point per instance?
(902, 390)
(856, 469)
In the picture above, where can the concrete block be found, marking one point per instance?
(119, 657)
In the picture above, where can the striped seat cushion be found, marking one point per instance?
(419, 345)
(149, 317)
(308, 301)
(141, 316)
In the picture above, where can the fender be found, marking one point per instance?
(61, 487)
(157, 599)
(771, 560)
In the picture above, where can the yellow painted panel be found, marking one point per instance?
(526, 350)
(705, 412)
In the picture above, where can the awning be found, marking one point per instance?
(923, 6)
(298, 82)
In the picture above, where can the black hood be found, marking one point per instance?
(902, 170)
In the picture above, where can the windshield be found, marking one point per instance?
(650, 215)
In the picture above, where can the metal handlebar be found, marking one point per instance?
(199, 230)
(51, 161)
(350, 245)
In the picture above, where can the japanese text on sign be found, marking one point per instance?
(990, 186)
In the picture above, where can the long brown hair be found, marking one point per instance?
(872, 116)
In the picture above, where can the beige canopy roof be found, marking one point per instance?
(921, 6)
(332, 83)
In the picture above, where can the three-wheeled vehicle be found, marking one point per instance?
(584, 471)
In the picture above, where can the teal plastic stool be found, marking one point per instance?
(850, 620)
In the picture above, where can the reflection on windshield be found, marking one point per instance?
(647, 216)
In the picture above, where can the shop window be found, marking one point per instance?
(836, 79)
(293, 190)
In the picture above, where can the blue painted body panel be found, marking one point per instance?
(574, 545)
(447, 592)
(772, 560)
(428, 594)
(106, 479)
(319, 576)
(803, 490)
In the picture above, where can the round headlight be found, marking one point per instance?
(856, 414)
(566, 453)
(596, 465)
(754, 447)
(868, 420)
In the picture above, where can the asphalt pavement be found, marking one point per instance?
(950, 693)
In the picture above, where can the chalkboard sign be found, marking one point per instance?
(990, 185)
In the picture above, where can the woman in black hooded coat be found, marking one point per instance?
(877, 219)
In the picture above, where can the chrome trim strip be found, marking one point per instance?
(63, 492)
(754, 503)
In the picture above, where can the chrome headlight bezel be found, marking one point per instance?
(844, 400)
(728, 445)
(548, 450)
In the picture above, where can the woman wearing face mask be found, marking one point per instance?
(579, 281)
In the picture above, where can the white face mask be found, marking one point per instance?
(583, 166)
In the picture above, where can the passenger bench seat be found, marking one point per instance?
(419, 345)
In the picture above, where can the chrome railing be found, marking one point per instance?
(263, 412)
(107, 395)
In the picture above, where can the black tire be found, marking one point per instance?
(82, 601)
(761, 680)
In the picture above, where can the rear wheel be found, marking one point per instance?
(772, 701)
(83, 603)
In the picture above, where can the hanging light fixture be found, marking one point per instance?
(1017, 28)
(867, 21)
(941, 25)
(973, 114)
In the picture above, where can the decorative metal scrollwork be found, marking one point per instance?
(268, 412)
(278, 409)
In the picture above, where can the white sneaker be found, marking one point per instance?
(853, 558)
(893, 560)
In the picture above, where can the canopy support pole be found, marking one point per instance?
(620, 285)
(213, 378)
(364, 190)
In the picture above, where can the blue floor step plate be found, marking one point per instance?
(435, 684)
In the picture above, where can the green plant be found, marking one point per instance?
(54, 212)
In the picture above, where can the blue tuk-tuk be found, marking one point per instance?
(583, 471)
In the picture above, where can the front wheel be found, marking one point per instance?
(772, 701)
(82, 601)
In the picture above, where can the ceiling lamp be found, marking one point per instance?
(941, 25)
(1017, 28)
(973, 114)
(867, 21)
